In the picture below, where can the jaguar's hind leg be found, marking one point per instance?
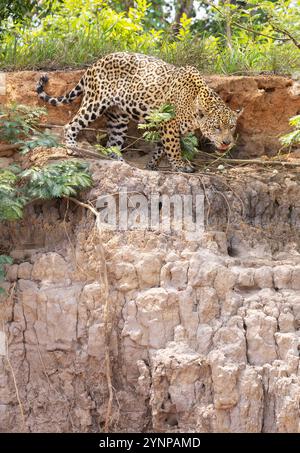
(117, 126)
(85, 115)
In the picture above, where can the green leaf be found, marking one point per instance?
(189, 146)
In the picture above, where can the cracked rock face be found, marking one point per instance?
(204, 334)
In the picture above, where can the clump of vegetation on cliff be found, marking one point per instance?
(19, 126)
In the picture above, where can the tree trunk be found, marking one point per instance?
(228, 32)
(186, 7)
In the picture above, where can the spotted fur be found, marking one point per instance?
(124, 86)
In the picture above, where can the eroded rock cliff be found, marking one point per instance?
(203, 334)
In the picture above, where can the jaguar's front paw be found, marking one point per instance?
(184, 168)
(116, 156)
(152, 167)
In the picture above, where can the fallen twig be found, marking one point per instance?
(261, 162)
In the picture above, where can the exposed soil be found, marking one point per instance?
(268, 103)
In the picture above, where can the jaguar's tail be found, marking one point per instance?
(69, 97)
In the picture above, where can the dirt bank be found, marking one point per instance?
(268, 103)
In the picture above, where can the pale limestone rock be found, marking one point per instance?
(188, 311)
(201, 341)
(28, 297)
(263, 277)
(96, 341)
(233, 301)
(245, 277)
(203, 268)
(204, 338)
(174, 275)
(224, 380)
(50, 268)
(286, 322)
(247, 415)
(126, 277)
(157, 313)
(180, 385)
(260, 337)
(131, 326)
(282, 276)
(24, 271)
(12, 273)
(282, 412)
(296, 278)
(148, 270)
(208, 304)
(144, 380)
(224, 281)
(232, 343)
(62, 317)
(287, 344)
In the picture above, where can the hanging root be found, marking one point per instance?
(107, 313)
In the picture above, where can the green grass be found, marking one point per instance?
(79, 51)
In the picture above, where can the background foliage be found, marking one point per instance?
(216, 36)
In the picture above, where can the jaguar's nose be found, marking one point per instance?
(226, 142)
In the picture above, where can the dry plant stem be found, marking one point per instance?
(10, 296)
(85, 152)
(107, 320)
(9, 147)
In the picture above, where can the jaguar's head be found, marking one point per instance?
(219, 128)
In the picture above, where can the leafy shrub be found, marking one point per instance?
(292, 138)
(12, 200)
(4, 259)
(189, 142)
(153, 121)
(189, 146)
(19, 124)
(17, 188)
(110, 150)
(62, 179)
